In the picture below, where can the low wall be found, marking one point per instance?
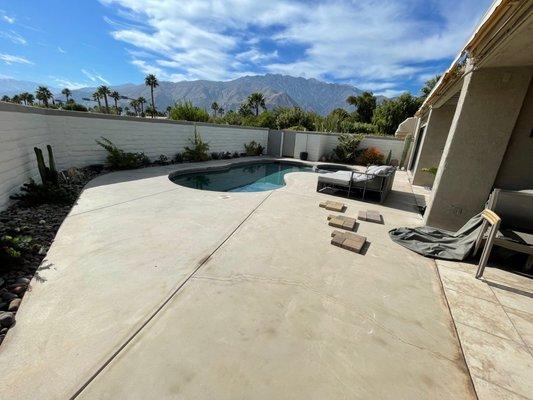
(320, 144)
(72, 136)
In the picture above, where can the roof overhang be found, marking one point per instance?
(506, 27)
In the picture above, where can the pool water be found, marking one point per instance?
(256, 177)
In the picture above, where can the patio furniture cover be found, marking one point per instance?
(440, 243)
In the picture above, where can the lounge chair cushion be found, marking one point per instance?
(343, 177)
(379, 169)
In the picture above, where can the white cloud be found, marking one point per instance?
(95, 77)
(61, 50)
(13, 37)
(384, 41)
(11, 59)
(67, 83)
(389, 92)
(8, 19)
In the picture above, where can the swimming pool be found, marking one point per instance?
(253, 177)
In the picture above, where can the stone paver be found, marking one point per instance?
(494, 319)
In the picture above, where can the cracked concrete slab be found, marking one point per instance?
(274, 312)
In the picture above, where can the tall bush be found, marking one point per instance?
(198, 149)
(120, 159)
(347, 149)
(186, 111)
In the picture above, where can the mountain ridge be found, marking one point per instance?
(279, 91)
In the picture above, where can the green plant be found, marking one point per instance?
(178, 158)
(215, 156)
(12, 248)
(371, 156)
(253, 148)
(430, 170)
(391, 113)
(71, 106)
(34, 194)
(120, 159)
(235, 155)
(163, 160)
(187, 112)
(198, 149)
(347, 149)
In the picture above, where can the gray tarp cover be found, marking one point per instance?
(438, 243)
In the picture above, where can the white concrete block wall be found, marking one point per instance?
(72, 136)
(318, 145)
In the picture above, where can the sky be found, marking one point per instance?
(386, 46)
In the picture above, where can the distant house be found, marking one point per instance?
(476, 125)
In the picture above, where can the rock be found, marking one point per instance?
(2, 338)
(9, 296)
(7, 319)
(23, 280)
(3, 331)
(14, 305)
(18, 289)
(42, 222)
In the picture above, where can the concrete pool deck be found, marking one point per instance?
(156, 290)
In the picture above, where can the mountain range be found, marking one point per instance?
(278, 90)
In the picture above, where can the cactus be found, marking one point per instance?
(48, 174)
(52, 165)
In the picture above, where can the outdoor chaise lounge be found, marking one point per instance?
(376, 178)
(511, 226)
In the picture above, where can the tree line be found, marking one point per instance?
(368, 116)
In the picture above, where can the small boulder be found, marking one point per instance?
(14, 305)
(7, 319)
(8, 296)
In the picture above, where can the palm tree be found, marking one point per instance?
(221, 111)
(256, 100)
(66, 92)
(6, 98)
(169, 109)
(43, 94)
(104, 92)
(96, 97)
(215, 107)
(16, 99)
(135, 104)
(151, 81)
(115, 96)
(141, 101)
(24, 97)
(30, 98)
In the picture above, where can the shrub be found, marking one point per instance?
(253, 148)
(372, 156)
(162, 160)
(187, 112)
(225, 155)
(235, 155)
(215, 155)
(358, 127)
(34, 194)
(347, 149)
(297, 128)
(12, 248)
(74, 106)
(198, 149)
(288, 117)
(119, 159)
(178, 158)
